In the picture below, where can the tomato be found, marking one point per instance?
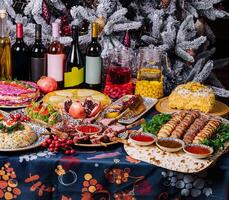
(45, 112)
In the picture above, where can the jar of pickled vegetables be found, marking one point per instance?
(149, 76)
(118, 75)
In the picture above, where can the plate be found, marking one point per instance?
(39, 130)
(122, 135)
(21, 106)
(148, 102)
(220, 108)
(58, 97)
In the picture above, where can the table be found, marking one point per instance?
(104, 173)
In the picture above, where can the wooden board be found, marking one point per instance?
(220, 108)
(58, 97)
(180, 161)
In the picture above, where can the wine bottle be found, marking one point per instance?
(93, 61)
(74, 67)
(20, 56)
(55, 56)
(38, 56)
(5, 51)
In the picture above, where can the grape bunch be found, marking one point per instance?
(55, 144)
(117, 176)
(19, 117)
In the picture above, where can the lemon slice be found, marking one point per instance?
(112, 115)
(57, 99)
(64, 93)
(83, 93)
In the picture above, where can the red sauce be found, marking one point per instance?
(142, 138)
(88, 129)
(197, 150)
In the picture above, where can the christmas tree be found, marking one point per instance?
(178, 27)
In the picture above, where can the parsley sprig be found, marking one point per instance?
(155, 124)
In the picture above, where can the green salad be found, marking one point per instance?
(43, 112)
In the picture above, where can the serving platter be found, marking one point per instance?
(60, 96)
(179, 161)
(41, 138)
(220, 108)
(148, 103)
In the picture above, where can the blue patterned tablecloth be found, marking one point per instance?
(105, 173)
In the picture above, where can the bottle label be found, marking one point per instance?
(93, 70)
(56, 66)
(74, 78)
(38, 68)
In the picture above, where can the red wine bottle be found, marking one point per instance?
(20, 56)
(55, 57)
(74, 67)
(94, 61)
(38, 56)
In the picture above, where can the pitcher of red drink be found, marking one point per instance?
(118, 75)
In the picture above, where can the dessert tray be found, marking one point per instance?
(196, 133)
(220, 109)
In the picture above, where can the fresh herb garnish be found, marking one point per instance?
(221, 137)
(155, 124)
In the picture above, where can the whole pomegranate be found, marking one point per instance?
(47, 84)
(77, 111)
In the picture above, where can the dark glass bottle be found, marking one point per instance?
(38, 56)
(20, 56)
(55, 57)
(74, 66)
(93, 61)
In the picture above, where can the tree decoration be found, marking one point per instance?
(126, 39)
(165, 3)
(45, 12)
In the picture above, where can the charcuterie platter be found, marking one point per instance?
(203, 140)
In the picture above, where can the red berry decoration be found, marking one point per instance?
(54, 144)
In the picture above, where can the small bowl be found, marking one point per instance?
(201, 154)
(170, 144)
(91, 129)
(142, 138)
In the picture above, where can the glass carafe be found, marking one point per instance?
(150, 62)
(118, 74)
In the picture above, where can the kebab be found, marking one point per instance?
(168, 128)
(181, 128)
(194, 129)
(207, 132)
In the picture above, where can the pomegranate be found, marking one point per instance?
(77, 111)
(91, 107)
(47, 84)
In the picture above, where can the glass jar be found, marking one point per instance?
(118, 75)
(149, 76)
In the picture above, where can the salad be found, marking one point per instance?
(43, 112)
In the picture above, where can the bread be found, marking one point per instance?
(192, 96)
